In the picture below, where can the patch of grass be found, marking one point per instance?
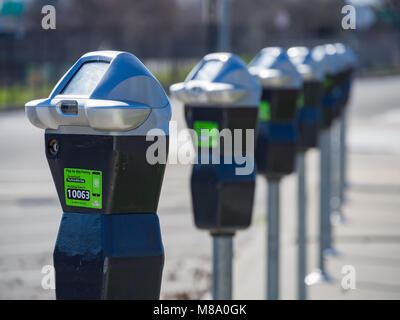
(17, 95)
(173, 75)
(246, 57)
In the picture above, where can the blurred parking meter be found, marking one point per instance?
(334, 210)
(277, 140)
(309, 119)
(221, 100)
(326, 56)
(349, 62)
(97, 119)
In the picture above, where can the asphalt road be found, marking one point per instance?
(30, 212)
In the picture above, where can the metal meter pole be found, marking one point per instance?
(343, 158)
(325, 185)
(301, 226)
(222, 266)
(224, 36)
(273, 240)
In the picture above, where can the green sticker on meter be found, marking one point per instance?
(83, 188)
(328, 82)
(300, 101)
(264, 111)
(207, 133)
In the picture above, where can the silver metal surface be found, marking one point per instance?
(119, 100)
(273, 240)
(325, 184)
(326, 56)
(335, 170)
(220, 79)
(334, 206)
(343, 158)
(321, 275)
(222, 267)
(301, 226)
(102, 115)
(338, 158)
(309, 69)
(274, 69)
(206, 92)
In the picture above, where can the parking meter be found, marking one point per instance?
(277, 135)
(309, 120)
(277, 140)
(97, 123)
(348, 62)
(221, 100)
(309, 106)
(219, 93)
(327, 57)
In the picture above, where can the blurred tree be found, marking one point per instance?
(144, 27)
(153, 28)
(256, 25)
(176, 29)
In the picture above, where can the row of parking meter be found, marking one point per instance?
(276, 142)
(348, 60)
(319, 97)
(334, 97)
(221, 99)
(350, 67)
(96, 120)
(309, 120)
(97, 123)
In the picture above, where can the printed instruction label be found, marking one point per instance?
(264, 111)
(300, 101)
(83, 188)
(328, 82)
(207, 133)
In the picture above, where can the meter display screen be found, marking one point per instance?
(208, 70)
(86, 78)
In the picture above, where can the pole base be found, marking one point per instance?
(331, 252)
(338, 218)
(222, 267)
(318, 277)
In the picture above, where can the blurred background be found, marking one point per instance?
(170, 36)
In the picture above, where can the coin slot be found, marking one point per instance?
(69, 108)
